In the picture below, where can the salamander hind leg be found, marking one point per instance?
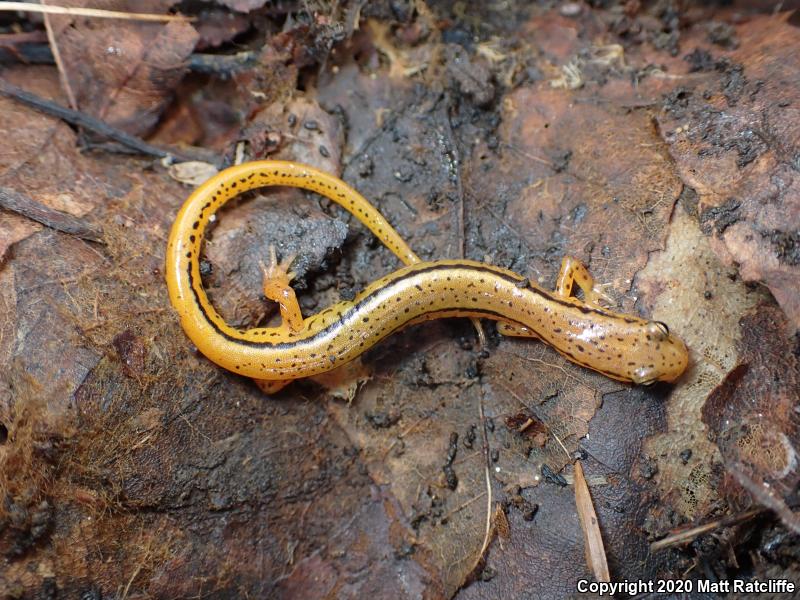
(269, 386)
(572, 272)
(277, 280)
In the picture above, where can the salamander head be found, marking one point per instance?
(659, 355)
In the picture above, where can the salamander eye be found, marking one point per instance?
(658, 330)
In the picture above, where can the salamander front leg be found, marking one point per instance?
(277, 287)
(277, 280)
(572, 272)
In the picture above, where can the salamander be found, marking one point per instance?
(620, 346)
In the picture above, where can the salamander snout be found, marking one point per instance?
(663, 356)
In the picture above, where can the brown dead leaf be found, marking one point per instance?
(582, 170)
(752, 416)
(123, 72)
(41, 161)
(42, 144)
(216, 27)
(443, 500)
(500, 522)
(732, 138)
(13, 228)
(553, 33)
(564, 398)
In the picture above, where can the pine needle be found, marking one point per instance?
(88, 12)
(593, 539)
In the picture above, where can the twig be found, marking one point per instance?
(763, 493)
(29, 53)
(89, 12)
(22, 37)
(222, 64)
(85, 121)
(33, 52)
(49, 217)
(688, 535)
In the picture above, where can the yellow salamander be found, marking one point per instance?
(620, 346)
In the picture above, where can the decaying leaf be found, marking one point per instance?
(120, 71)
(733, 139)
(752, 416)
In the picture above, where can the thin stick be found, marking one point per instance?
(16, 47)
(90, 12)
(83, 120)
(55, 219)
(688, 535)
